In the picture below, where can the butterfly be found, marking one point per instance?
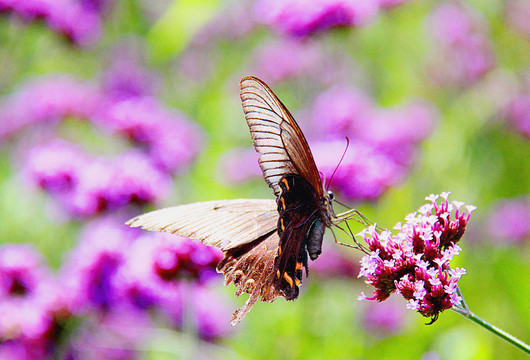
(266, 243)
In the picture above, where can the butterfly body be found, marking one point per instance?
(302, 215)
(266, 244)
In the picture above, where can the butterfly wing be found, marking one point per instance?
(251, 268)
(223, 223)
(277, 136)
(244, 229)
(289, 169)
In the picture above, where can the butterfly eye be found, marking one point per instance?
(331, 195)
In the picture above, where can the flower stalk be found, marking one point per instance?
(464, 310)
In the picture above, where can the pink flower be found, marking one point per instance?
(415, 262)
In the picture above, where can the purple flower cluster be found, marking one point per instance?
(86, 186)
(171, 140)
(463, 52)
(79, 21)
(509, 220)
(415, 262)
(47, 100)
(296, 58)
(383, 142)
(31, 304)
(115, 267)
(299, 18)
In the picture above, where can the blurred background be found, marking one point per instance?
(110, 108)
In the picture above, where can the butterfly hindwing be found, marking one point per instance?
(251, 268)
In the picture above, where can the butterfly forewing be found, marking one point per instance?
(223, 223)
(277, 136)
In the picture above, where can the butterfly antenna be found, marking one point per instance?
(341, 158)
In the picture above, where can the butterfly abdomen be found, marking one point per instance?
(314, 239)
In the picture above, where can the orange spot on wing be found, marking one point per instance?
(281, 224)
(297, 282)
(288, 279)
(283, 202)
(284, 180)
(278, 274)
(299, 265)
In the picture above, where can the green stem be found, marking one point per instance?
(463, 310)
(499, 332)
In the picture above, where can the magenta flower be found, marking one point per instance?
(299, 18)
(31, 304)
(509, 220)
(415, 262)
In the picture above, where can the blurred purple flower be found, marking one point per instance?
(389, 4)
(31, 303)
(231, 22)
(300, 19)
(333, 263)
(284, 59)
(74, 19)
(172, 140)
(415, 262)
(86, 186)
(463, 52)
(126, 77)
(167, 272)
(517, 14)
(341, 111)
(115, 335)
(518, 113)
(239, 165)
(90, 272)
(386, 318)
(210, 313)
(47, 100)
(55, 167)
(509, 220)
(383, 142)
(364, 173)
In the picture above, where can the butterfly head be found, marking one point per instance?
(328, 202)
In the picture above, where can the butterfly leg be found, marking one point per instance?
(357, 245)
